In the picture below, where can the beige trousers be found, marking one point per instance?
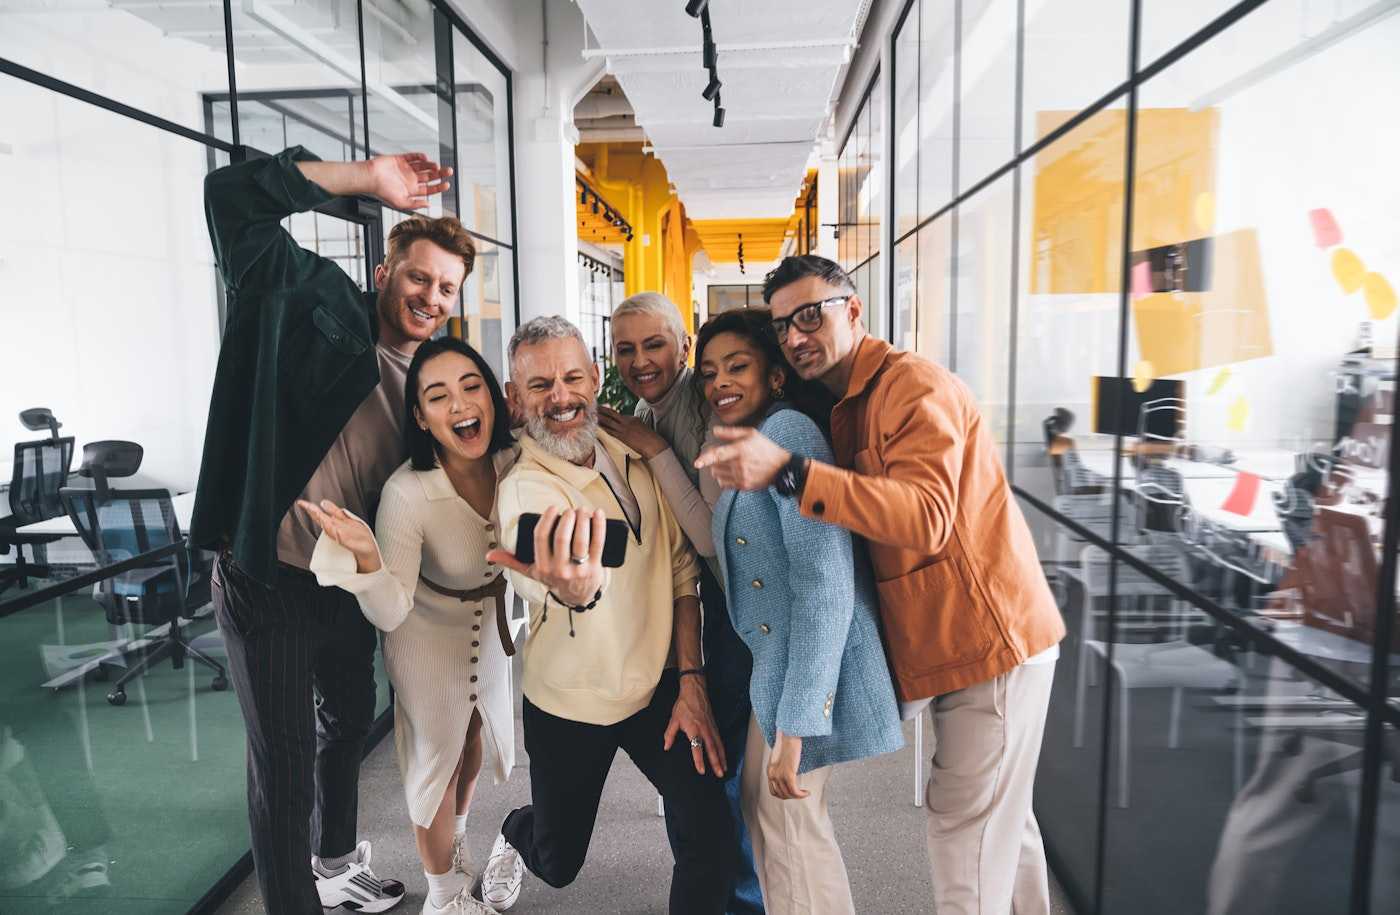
(984, 845)
(799, 865)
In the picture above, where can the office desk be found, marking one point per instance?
(183, 505)
(1101, 463)
(1208, 495)
(1319, 643)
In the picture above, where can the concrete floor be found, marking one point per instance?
(629, 864)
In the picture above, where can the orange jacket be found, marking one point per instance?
(963, 598)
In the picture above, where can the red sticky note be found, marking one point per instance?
(1142, 278)
(1240, 501)
(1326, 233)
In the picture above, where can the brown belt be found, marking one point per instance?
(495, 590)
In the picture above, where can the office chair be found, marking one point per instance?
(41, 468)
(118, 525)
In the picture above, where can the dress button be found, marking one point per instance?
(819, 506)
(476, 628)
(478, 613)
(474, 659)
(473, 678)
(490, 527)
(758, 583)
(476, 644)
(741, 541)
(763, 628)
(473, 697)
(491, 545)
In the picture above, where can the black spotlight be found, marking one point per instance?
(696, 7)
(719, 116)
(712, 88)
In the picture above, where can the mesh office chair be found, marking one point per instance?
(40, 470)
(118, 525)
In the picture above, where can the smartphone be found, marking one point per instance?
(614, 541)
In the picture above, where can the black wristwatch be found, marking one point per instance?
(792, 477)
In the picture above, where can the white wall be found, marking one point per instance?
(107, 299)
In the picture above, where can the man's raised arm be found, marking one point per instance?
(246, 203)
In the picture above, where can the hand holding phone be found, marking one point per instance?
(565, 553)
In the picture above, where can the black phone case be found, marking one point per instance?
(614, 541)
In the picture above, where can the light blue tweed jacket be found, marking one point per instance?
(803, 600)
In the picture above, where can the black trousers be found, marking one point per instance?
(569, 762)
(302, 662)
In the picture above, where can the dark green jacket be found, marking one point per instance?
(297, 359)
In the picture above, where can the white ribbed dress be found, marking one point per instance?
(443, 656)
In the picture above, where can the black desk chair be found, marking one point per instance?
(40, 470)
(118, 525)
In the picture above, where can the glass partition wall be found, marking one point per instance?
(116, 112)
(1157, 241)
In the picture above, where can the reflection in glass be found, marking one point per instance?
(987, 113)
(905, 122)
(483, 164)
(905, 291)
(937, 82)
(984, 284)
(151, 56)
(298, 72)
(934, 286)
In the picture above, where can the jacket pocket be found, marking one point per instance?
(321, 352)
(932, 619)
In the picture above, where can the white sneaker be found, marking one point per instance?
(354, 885)
(500, 882)
(461, 904)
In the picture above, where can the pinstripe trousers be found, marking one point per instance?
(302, 661)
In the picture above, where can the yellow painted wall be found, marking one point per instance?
(637, 185)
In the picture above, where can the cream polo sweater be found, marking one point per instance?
(602, 665)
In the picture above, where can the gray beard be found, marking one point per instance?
(575, 447)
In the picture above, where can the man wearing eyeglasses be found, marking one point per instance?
(971, 629)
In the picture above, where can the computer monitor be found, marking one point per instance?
(1110, 392)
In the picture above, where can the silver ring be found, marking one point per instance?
(578, 560)
(695, 743)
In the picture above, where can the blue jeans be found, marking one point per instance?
(728, 666)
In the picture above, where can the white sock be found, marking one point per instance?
(461, 824)
(442, 887)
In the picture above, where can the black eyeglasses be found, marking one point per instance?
(807, 318)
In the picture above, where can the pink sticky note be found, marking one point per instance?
(1142, 278)
(1326, 233)
(1242, 496)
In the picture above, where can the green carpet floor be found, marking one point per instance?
(142, 806)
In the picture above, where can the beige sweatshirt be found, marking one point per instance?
(602, 665)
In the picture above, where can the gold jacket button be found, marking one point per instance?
(830, 699)
(741, 541)
(763, 628)
(758, 584)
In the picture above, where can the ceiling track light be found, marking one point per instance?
(694, 8)
(712, 88)
(719, 113)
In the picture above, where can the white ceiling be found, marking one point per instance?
(779, 61)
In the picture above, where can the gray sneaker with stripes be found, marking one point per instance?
(354, 885)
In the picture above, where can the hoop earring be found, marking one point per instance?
(779, 393)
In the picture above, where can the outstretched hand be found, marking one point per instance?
(569, 562)
(406, 181)
(748, 460)
(346, 530)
